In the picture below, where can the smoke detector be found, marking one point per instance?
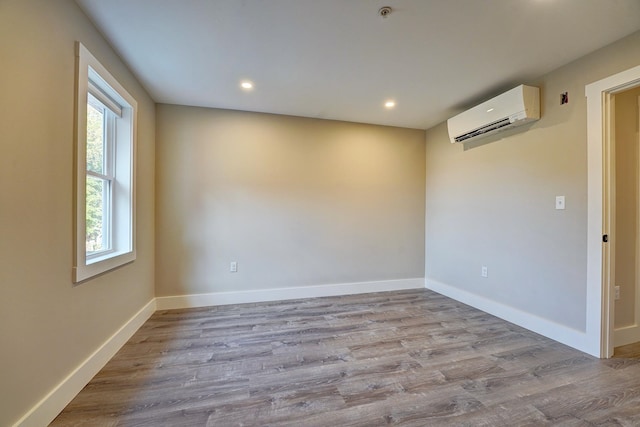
(384, 11)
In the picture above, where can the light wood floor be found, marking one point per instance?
(409, 358)
(627, 351)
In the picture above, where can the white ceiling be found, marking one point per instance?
(337, 59)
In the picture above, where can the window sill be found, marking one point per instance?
(101, 265)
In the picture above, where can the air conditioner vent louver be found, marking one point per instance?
(484, 129)
(513, 108)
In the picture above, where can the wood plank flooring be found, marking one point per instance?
(627, 351)
(408, 358)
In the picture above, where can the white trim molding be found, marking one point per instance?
(563, 334)
(626, 335)
(45, 411)
(278, 294)
(122, 199)
(57, 399)
(599, 293)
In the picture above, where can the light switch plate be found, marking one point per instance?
(560, 202)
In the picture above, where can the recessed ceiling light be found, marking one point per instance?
(390, 104)
(246, 85)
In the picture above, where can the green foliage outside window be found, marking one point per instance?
(94, 191)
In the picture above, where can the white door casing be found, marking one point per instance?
(599, 321)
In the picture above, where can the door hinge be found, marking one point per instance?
(605, 238)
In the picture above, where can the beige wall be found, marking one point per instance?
(48, 326)
(295, 201)
(493, 204)
(626, 130)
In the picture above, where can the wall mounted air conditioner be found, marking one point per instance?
(513, 108)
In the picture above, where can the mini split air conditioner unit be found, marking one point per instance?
(513, 108)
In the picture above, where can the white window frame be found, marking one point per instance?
(92, 77)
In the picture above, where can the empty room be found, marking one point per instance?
(321, 213)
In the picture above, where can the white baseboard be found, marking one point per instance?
(557, 332)
(277, 294)
(626, 335)
(53, 403)
(57, 399)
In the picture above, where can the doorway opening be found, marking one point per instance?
(624, 203)
(601, 216)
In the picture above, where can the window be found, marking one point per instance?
(105, 170)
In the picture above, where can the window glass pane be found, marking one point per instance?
(96, 204)
(95, 135)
